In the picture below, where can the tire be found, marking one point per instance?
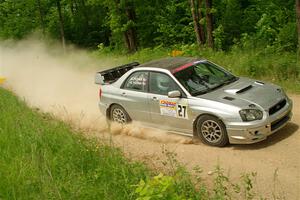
(212, 131)
(119, 115)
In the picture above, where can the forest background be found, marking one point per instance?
(256, 38)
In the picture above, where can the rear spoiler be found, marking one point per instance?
(111, 75)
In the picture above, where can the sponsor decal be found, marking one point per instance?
(167, 108)
(138, 81)
(174, 109)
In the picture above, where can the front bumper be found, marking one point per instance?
(256, 131)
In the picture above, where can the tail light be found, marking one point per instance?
(100, 93)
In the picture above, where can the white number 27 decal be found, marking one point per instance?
(182, 111)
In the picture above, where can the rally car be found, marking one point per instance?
(193, 97)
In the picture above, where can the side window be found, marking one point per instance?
(137, 81)
(161, 83)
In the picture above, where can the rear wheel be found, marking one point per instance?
(212, 131)
(119, 115)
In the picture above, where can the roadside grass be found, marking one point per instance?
(43, 158)
(282, 68)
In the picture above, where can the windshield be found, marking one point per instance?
(203, 77)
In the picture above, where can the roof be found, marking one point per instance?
(169, 63)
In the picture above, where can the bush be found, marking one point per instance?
(159, 187)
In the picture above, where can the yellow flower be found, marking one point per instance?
(2, 79)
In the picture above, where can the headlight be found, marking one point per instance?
(251, 114)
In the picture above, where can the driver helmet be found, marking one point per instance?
(163, 83)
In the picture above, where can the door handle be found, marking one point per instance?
(154, 98)
(124, 94)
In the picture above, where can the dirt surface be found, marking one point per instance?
(56, 84)
(278, 157)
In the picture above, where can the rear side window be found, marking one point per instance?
(137, 81)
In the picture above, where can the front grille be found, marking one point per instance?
(276, 124)
(277, 107)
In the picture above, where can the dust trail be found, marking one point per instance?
(135, 129)
(52, 82)
(63, 84)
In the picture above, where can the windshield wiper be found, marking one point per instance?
(200, 92)
(232, 79)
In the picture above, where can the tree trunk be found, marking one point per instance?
(196, 23)
(298, 22)
(61, 23)
(41, 16)
(131, 32)
(72, 8)
(200, 16)
(209, 23)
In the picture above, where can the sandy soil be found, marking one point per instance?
(58, 84)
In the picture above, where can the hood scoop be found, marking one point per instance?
(239, 90)
(244, 89)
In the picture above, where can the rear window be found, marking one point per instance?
(137, 81)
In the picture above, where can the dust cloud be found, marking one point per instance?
(63, 84)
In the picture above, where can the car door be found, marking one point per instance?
(172, 113)
(134, 96)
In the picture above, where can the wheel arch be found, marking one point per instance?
(108, 111)
(204, 114)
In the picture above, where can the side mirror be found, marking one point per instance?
(99, 79)
(174, 94)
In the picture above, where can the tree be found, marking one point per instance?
(197, 15)
(200, 17)
(61, 24)
(122, 22)
(41, 15)
(209, 23)
(130, 33)
(298, 21)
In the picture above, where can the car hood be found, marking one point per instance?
(245, 91)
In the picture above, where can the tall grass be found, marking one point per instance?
(41, 158)
(281, 68)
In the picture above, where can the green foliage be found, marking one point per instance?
(219, 37)
(247, 179)
(15, 21)
(220, 184)
(231, 22)
(88, 23)
(287, 37)
(159, 187)
(176, 25)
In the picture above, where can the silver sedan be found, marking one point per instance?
(194, 97)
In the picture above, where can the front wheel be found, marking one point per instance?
(212, 131)
(119, 115)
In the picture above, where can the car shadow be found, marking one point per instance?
(276, 137)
